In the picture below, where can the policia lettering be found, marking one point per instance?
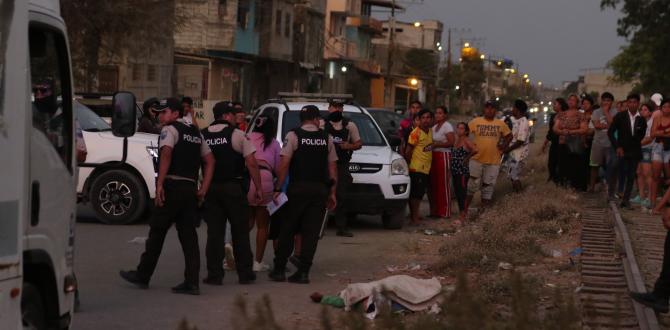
(227, 198)
(310, 158)
(181, 154)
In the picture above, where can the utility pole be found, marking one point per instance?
(388, 84)
(449, 79)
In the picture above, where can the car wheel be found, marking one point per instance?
(118, 197)
(33, 315)
(394, 220)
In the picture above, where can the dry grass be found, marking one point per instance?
(516, 227)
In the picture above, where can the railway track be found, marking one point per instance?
(609, 271)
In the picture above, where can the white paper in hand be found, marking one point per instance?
(274, 205)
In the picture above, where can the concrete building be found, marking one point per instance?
(308, 42)
(600, 80)
(406, 84)
(350, 66)
(203, 50)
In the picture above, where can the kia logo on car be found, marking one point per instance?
(354, 167)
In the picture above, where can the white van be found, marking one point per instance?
(381, 176)
(37, 180)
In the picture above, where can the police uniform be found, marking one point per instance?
(180, 205)
(311, 150)
(227, 201)
(341, 132)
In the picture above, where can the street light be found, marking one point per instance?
(466, 45)
(413, 82)
(512, 71)
(438, 44)
(344, 69)
(457, 87)
(525, 76)
(417, 24)
(439, 48)
(527, 80)
(539, 83)
(482, 56)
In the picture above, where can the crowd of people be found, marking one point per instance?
(228, 175)
(612, 146)
(466, 159)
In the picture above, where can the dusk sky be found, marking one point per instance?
(549, 39)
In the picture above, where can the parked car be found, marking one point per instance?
(101, 104)
(118, 193)
(388, 121)
(381, 176)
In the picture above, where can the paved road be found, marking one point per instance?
(110, 303)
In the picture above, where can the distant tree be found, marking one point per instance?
(645, 25)
(420, 63)
(109, 30)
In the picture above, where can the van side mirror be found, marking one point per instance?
(124, 115)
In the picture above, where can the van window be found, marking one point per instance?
(51, 95)
(370, 135)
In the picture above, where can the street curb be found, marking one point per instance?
(645, 315)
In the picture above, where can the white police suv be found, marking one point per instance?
(119, 193)
(381, 176)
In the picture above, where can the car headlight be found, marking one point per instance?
(152, 151)
(399, 167)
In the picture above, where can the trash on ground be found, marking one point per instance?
(414, 266)
(556, 253)
(429, 232)
(411, 293)
(505, 266)
(551, 285)
(556, 271)
(138, 240)
(560, 231)
(576, 252)
(579, 288)
(434, 309)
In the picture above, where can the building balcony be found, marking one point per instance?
(366, 23)
(340, 47)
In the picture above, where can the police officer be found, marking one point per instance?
(309, 157)
(181, 153)
(227, 197)
(346, 139)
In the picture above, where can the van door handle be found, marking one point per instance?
(35, 204)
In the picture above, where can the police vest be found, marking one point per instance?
(310, 160)
(339, 136)
(229, 163)
(186, 160)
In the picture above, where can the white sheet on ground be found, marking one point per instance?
(412, 293)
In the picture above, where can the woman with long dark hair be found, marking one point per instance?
(552, 140)
(460, 156)
(571, 126)
(440, 173)
(267, 156)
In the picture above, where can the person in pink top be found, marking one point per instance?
(267, 156)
